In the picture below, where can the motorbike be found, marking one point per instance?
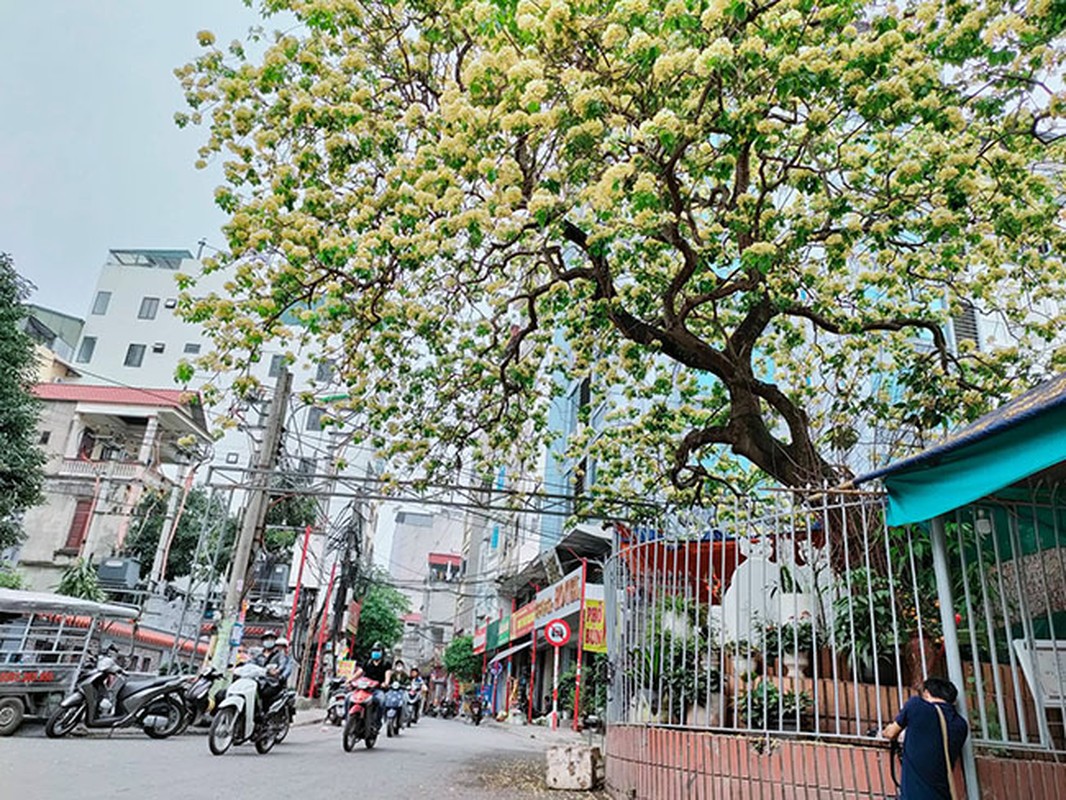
(239, 717)
(361, 724)
(337, 694)
(198, 698)
(106, 698)
(447, 709)
(414, 705)
(475, 710)
(395, 703)
(290, 715)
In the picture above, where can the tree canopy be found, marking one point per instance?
(461, 660)
(21, 461)
(198, 512)
(746, 225)
(381, 617)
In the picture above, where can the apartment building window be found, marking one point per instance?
(232, 458)
(149, 308)
(171, 302)
(134, 355)
(45, 436)
(276, 363)
(325, 372)
(314, 419)
(102, 301)
(159, 347)
(85, 351)
(965, 323)
(192, 348)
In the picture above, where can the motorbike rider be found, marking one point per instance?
(275, 659)
(418, 683)
(379, 669)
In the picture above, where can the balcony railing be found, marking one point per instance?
(119, 470)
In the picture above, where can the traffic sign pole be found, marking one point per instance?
(555, 691)
(557, 632)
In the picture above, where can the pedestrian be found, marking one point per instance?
(933, 734)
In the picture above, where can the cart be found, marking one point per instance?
(45, 641)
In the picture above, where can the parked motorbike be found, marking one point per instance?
(395, 703)
(414, 704)
(240, 718)
(337, 693)
(106, 698)
(475, 710)
(361, 724)
(198, 698)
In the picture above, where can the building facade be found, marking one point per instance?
(104, 446)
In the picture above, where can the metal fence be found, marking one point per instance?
(803, 612)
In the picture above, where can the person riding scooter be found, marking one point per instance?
(377, 668)
(275, 658)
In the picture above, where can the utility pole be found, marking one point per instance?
(254, 513)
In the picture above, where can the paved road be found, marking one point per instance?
(435, 759)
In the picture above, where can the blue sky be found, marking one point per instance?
(89, 155)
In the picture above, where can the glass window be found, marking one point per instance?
(171, 302)
(276, 363)
(102, 301)
(232, 458)
(192, 348)
(85, 352)
(134, 355)
(325, 372)
(314, 419)
(149, 308)
(159, 347)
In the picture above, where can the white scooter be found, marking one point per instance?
(235, 719)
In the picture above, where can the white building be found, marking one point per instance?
(133, 336)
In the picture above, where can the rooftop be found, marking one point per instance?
(187, 402)
(152, 259)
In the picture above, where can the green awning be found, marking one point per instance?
(1020, 439)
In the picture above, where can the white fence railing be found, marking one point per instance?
(804, 612)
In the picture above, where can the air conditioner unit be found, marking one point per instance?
(121, 573)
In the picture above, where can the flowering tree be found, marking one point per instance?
(729, 217)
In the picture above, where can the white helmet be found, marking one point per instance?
(281, 642)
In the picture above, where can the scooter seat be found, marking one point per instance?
(134, 686)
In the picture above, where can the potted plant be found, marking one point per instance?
(797, 639)
(744, 654)
(765, 707)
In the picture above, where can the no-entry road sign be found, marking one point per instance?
(557, 632)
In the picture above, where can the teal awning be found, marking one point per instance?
(1020, 439)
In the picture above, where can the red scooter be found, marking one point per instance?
(361, 722)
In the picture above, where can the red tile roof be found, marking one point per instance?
(116, 395)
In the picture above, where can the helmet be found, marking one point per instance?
(377, 646)
(282, 642)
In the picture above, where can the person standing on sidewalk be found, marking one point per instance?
(932, 744)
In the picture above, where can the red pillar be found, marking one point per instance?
(322, 630)
(299, 580)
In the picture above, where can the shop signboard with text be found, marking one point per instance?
(523, 620)
(480, 636)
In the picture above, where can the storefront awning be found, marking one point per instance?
(1020, 439)
(510, 651)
